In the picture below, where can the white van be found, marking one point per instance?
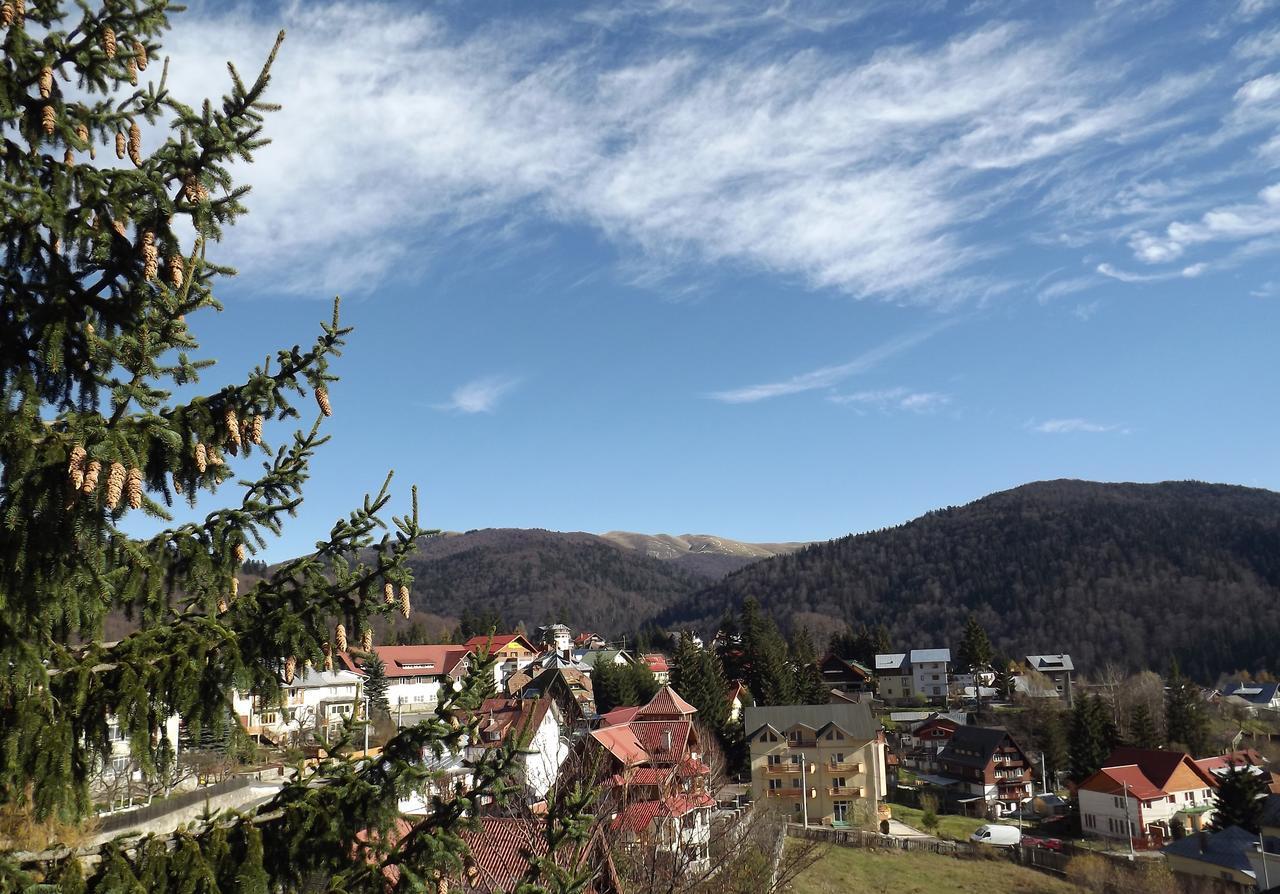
(997, 836)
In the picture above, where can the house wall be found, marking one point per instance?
(419, 693)
(859, 764)
(1103, 816)
(894, 687)
(549, 750)
(929, 678)
(1201, 869)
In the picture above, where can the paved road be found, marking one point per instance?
(902, 830)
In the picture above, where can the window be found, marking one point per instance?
(270, 718)
(837, 758)
(795, 783)
(774, 760)
(838, 782)
(775, 784)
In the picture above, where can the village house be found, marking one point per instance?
(826, 761)
(556, 637)
(658, 666)
(1144, 792)
(984, 771)
(738, 698)
(415, 675)
(1257, 696)
(314, 701)
(1058, 669)
(540, 735)
(592, 658)
(658, 782)
(587, 641)
(918, 675)
(924, 739)
(512, 652)
(893, 677)
(845, 675)
(1224, 855)
(570, 687)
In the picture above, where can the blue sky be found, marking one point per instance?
(770, 272)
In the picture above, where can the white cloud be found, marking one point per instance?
(1259, 90)
(1188, 272)
(1071, 426)
(1085, 312)
(479, 395)
(1228, 223)
(828, 376)
(864, 174)
(898, 398)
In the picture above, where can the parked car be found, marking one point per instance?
(1049, 844)
(997, 836)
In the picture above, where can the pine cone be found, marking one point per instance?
(202, 458)
(140, 56)
(442, 886)
(235, 586)
(177, 485)
(328, 657)
(175, 271)
(341, 636)
(48, 119)
(69, 159)
(135, 144)
(122, 229)
(132, 68)
(233, 426)
(75, 467)
(215, 458)
(322, 398)
(405, 606)
(133, 488)
(241, 553)
(222, 606)
(388, 593)
(109, 42)
(255, 434)
(46, 82)
(366, 640)
(6, 14)
(150, 255)
(115, 484)
(91, 473)
(290, 664)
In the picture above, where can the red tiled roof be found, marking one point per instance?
(622, 744)
(410, 661)
(618, 716)
(656, 663)
(637, 815)
(504, 716)
(1156, 765)
(667, 703)
(1118, 780)
(1246, 758)
(652, 738)
(499, 641)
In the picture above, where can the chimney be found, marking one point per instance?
(666, 740)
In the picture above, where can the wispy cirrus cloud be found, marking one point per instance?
(871, 170)
(899, 398)
(1073, 426)
(828, 376)
(479, 395)
(1230, 223)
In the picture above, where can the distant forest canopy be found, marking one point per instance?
(1129, 574)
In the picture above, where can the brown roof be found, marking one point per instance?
(411, 661)
(497, 642)
(1156, 765)
(666, 704)
(622, 743)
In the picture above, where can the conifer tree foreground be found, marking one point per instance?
(103, 237)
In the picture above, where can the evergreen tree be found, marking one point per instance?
(1240, 798)
(699, 679)
(808, 687)
(1090, 739)
(1142, 727)
(1186, 723)
(104, 269)
(765, 658)
(376, 683)
(975, 652)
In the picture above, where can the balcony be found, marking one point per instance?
(845, 791)
(774, 769)
(784, 792)
(844, 766)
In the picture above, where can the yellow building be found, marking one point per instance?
(825, 763)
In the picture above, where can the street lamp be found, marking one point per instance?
(804, 791)
(1127, 824)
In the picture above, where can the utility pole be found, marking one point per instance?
(804, 790)
(1128, 825)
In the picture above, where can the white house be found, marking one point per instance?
(929, 675)
(415, 674)
(893, 677)
(315, 701)
(1146, 792)
(538, 726)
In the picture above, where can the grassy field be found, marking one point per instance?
(841, 870)
(956, 828)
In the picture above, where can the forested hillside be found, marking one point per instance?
(539, 577)
(1133, 574)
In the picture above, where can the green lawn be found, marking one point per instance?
(841, 870)
(956, 828)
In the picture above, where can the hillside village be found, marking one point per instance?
(923, 735)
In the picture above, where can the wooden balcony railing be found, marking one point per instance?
(782, 768)
(783, 792)
(846, 766)
(845, 791)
